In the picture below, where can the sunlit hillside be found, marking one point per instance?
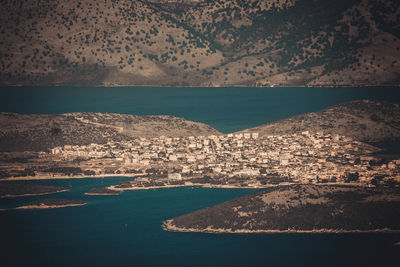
(200, 43)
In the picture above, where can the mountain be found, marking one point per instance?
(41, 132)
(298, 208)
(362, 120)
(200, 42)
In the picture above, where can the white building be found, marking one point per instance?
(174, 176)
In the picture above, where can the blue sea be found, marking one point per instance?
(226, 109)
(126, 230)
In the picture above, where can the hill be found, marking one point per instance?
(200, 43)
(40, 132)
(363, 120)
(299, 208)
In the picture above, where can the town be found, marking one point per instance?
(231, 160)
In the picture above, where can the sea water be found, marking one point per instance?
(126, 230)
(226, 109)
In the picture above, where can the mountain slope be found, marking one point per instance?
(363, 120)
(223, 42)
(34, 132)
(123, 42)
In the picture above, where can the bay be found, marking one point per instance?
(126, 230)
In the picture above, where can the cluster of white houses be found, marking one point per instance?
(306, 157)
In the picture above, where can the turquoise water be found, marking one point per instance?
(126, 230)
(226, 109)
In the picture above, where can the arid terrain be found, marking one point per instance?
(41, 132)
(299, 208)
(364, 120)
(328, 146)
(319, 171)
(200, 43)
(20, 189)
(52, 203)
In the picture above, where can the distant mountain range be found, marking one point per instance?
(362, 120)
(200, 43)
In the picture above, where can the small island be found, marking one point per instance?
(52, 204)
(299, 209)
(21, 189)
(102, 192)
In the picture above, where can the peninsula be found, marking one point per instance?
(327, 164)
(51, 204)
(21, 189)
(194, 154)
(299, 209)
(102, 192)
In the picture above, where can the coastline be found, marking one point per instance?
(113, 187)
(34, 194)
(102, 194)
(202, 86)
(32, 178)
(37, 207)
(167, 226)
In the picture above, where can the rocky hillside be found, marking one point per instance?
(21, 132)
(298, 208)
(363, 120)
(200, 42)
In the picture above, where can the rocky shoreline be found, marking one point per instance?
(33, 207)
(102, 192)
(299, 209)
(23, 189)
(51, 204)
(33, 194)
(222, 186)
(32, 178)
(168, 226)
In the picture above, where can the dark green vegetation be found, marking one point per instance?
(19, 189)
(366, 121)
(300, 208)
(207, 42)
(102, 191)
(28, 169)
(20, 132)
